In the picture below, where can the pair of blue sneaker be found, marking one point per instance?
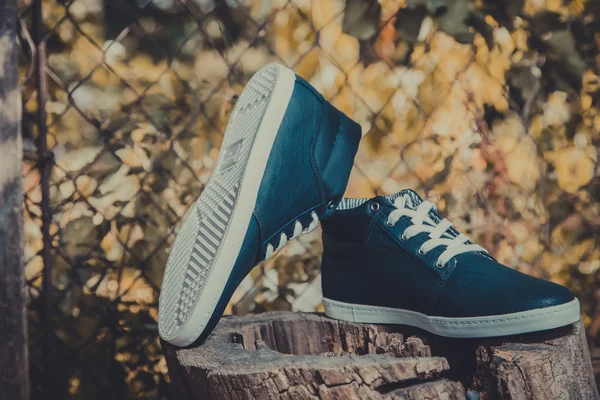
(284, 165)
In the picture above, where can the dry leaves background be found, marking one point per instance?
(488, 107)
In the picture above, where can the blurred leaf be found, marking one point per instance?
(454, 20)
(550, 35)
(431, 5)
(574, 169)
(523, 82)
(477, 20)
(452, 17)
(408, 23)
(361, 18)
(563, 49)
(546, 22)
(503, 11)
(81, 236)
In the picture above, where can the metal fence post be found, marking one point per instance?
(14, 380)
(45, 164)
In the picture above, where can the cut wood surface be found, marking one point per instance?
(309, 356)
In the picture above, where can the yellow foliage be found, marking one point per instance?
(496, 132)
(574, 167)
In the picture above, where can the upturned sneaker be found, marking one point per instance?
(394, 260)
(284, 163)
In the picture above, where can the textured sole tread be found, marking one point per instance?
(204, 230)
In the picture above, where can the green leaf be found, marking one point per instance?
(562, 49)
(503, 11)
(452, 17)
(431, 5)
(454, 21)
(361, 18)
(552, 37)
(408, 23)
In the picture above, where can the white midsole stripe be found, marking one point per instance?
(485, 326)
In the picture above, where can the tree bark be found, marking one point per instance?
(14, 381)
(309, 356)
(550, 365)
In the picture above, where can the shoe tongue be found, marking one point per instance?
(413, 199)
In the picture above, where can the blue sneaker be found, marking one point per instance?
(394, 260)
(284, 163)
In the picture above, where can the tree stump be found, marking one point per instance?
(309, 356)
(547, 365)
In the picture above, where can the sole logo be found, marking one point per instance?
(230, 156)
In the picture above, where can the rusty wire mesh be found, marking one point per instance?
(125, 104)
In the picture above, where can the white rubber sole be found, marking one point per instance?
(472, 327)
(209, 241)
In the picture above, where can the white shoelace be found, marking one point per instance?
(438, 231)
(283, 239)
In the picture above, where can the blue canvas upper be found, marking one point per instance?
(307, 171)
(366, 261)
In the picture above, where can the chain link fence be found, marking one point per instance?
(489, 108)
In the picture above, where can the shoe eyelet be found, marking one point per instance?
(388, 223)
(421, 252)
(403, 237)
(375, 207)
(331, 205)
(438, 265)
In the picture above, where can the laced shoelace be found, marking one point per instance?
(298, 230)
(437, 231)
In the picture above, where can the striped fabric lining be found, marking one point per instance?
(348, 204)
